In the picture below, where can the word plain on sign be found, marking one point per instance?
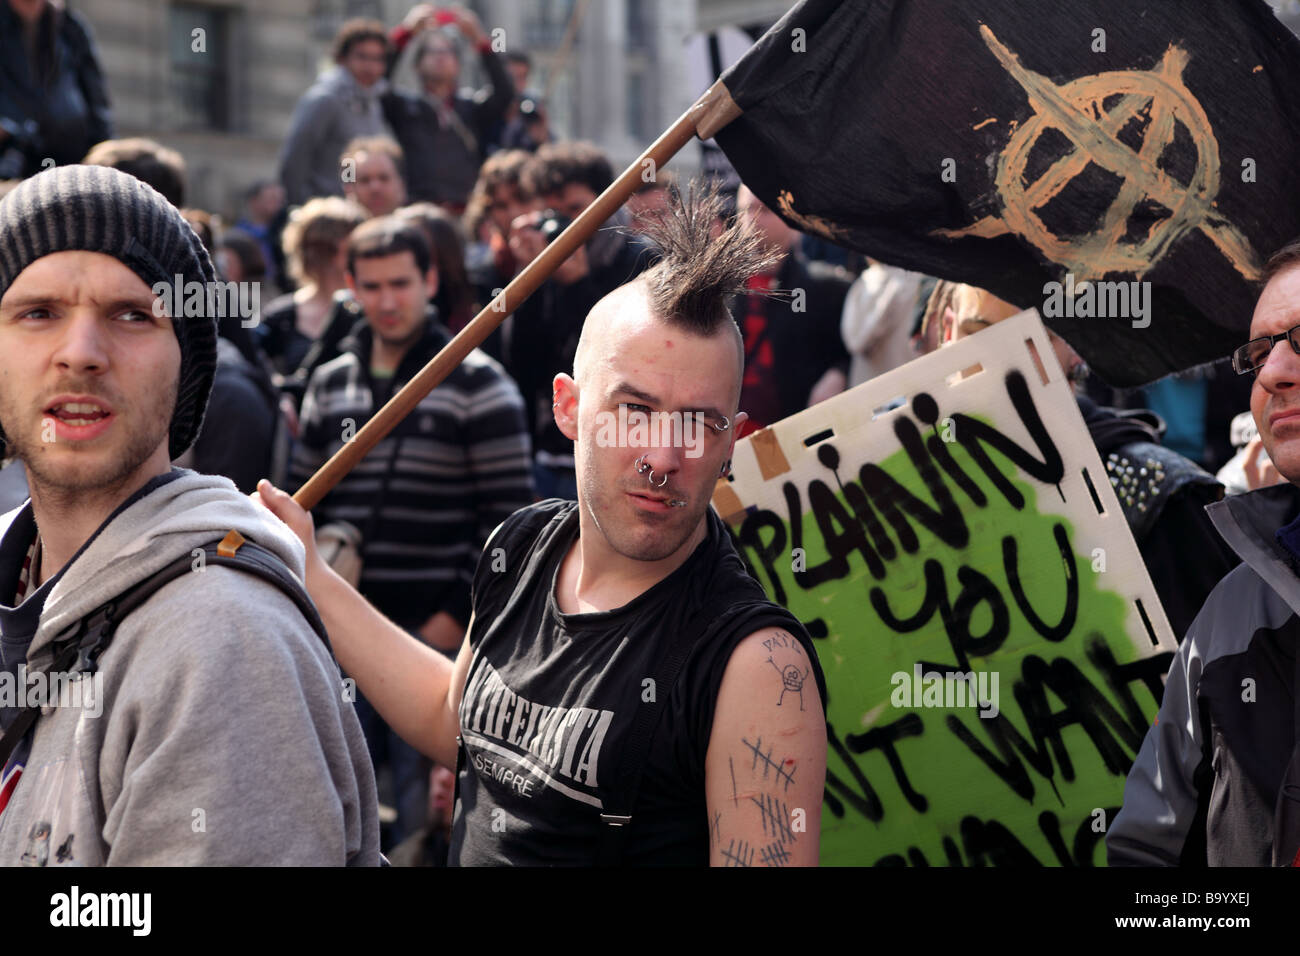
(945, 545)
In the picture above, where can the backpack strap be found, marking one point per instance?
(27, 716)
(82, 651)
(232, 551)
(261, 562)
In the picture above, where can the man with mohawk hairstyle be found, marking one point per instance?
(625, 693)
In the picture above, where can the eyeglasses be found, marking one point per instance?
(1252, 356)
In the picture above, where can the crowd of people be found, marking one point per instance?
(397, 213)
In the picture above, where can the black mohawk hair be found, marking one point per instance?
(696, 273)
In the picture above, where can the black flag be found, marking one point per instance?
(1124, 166)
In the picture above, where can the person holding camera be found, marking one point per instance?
(445, 129)
(541, 338)
(525, 124)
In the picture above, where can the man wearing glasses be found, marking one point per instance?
(1217, 780)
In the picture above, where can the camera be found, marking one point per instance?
(552, 224)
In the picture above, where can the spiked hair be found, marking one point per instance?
(696, 273)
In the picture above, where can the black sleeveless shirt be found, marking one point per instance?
(551, 698)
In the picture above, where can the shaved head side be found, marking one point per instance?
(628, 309)
(600, 326)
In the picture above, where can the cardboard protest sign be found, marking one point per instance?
(993, 646)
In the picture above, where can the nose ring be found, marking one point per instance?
(643, 468)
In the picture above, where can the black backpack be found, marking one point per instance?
(97, 628)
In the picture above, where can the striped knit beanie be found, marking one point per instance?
(99, 209)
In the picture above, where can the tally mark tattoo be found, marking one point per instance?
(735, 800)
(776, 816)
(715, 829)
(786, 776)
(742, 855)
(774, 854)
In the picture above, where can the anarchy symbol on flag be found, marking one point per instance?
(1090, 112)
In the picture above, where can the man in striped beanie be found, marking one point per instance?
(231, 717)
(72, 211)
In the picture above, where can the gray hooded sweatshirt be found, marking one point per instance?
(220, 731)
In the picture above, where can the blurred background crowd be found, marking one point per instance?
(381, 172)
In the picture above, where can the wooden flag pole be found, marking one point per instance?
(710, 112)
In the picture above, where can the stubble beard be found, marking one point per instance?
(405, 343)
(1284, 453)
(72, 482)
(666, 535)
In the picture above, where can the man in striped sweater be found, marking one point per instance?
(427, 497)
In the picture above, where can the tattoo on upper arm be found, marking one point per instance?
(769, 780)
(776, 817)
(781, 639)
(774, 854)
(770, 777)
(792, 677)
(738, 854)
(783, 774)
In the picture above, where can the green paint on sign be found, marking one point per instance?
(909, 782)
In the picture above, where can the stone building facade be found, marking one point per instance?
(218, 79)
